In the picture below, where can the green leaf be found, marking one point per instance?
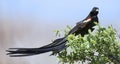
(84, 49)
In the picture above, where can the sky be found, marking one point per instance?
(59, 11)
(30, 23)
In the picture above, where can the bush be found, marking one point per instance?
(98, 47)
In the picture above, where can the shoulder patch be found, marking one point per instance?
(87, 20)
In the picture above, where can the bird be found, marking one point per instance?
(59, 44)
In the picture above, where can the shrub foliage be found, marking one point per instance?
(98, 47)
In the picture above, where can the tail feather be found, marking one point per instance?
(20, 52)
(21, 55)
(55, 42)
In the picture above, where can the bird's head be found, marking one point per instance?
(92, 15)
(94, 11)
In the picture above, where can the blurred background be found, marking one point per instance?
(31, 23)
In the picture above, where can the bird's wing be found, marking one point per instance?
(79, 26)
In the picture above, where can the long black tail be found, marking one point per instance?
(15, 52)
(20, 52)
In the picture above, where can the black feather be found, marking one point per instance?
(59, 44)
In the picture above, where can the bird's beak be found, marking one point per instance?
(97, 10)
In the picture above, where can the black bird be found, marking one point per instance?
(59, 44)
